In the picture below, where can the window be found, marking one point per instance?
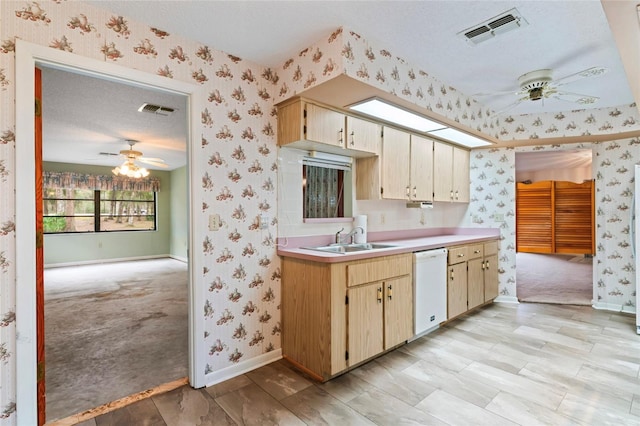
(322, 192)
(87, 210)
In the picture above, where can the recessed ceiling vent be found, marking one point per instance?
(505, 22)
(156, 109)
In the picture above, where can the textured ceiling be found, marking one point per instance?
(566, 36)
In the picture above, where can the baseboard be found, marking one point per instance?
(614, 307)
(99, 261)
(179, 258)
(242, 367)
(506, 299)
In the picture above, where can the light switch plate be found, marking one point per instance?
(214, 222)
(264, 221)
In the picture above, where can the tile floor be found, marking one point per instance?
(527, 364)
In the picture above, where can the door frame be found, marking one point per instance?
(28, 55)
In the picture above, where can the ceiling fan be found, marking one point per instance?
(539, 85)
(130, 169)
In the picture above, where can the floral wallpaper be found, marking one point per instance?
(241, 272)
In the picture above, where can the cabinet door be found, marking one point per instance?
(475, 283)
(456, 289)
(398, 315)
(396, 152)
(325, 126)
(363, 135)
(460, 173)
(365, 322)
(490, 277)
(442, 169)
(421, 169)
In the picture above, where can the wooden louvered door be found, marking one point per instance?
(534, 217)
(574, 217)
(555, 217)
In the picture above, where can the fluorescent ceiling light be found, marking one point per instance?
(377, 108)
(461, 138)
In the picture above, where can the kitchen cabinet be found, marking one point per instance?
(472, 277)
(456, 281)
(490, 274)
(337, 315)
(450, 173)
(388, 176)
(308, 125)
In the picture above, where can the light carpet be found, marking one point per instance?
(554, 278)
(112, 330)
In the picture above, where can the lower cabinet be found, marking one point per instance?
(380, 316)
(472, 277)
(337, 315)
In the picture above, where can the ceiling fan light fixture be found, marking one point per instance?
(130, 170)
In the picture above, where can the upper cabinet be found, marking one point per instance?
(450, 173)
(403, 172)
(310, 126)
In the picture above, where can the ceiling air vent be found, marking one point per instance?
(507, 21)
(156, 109)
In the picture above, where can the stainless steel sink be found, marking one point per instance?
(350, 248)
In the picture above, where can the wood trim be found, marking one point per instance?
(303, 369)
(119, 403)
(41, 390)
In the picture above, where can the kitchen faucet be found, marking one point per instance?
(350, 234)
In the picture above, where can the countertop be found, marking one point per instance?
(403, 245)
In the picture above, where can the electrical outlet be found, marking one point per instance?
(498, 217)
(264, 221)
(214, 222)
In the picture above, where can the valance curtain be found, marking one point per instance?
(69, 180)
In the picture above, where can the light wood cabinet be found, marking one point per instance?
(456, 282)
(472, 277)
(490, 270)
(336, 315)
(404, 170)
(308, 125)
(450, 173)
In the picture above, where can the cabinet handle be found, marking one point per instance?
(353, 142)
(451, 195)
(456, 195)
(415, 192)
(460, 254)
(341, 133)
(487, 262)
(389, 292)
(408, 192)
(483, 265)
(451, 274)
(476, 251)
(379, 294)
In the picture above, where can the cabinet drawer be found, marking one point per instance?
(476, 251)
(458, 254)
(368, 271)
(490, 248)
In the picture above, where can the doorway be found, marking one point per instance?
(28, 56)
(555, 222)
(106, 261)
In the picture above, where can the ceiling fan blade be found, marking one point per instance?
(152, 163)
(589, 72)
(509, 107)
(576, 98)
(159, 160)
(498, 93)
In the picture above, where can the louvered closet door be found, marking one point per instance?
(534, 217)
(574, 217)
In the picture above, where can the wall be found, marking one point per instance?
(78, 248)
(178, 219)
(576, 175)
(237, 152)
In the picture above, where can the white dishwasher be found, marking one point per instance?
(429, 290)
